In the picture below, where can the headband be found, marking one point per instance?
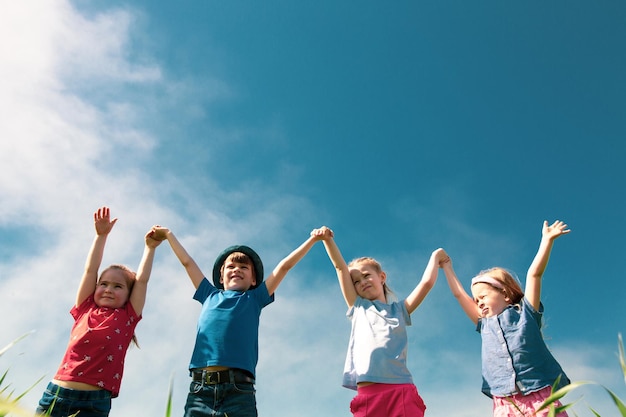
(488, 280)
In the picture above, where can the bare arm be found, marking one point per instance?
(103, 225)
(280, 271)
(341, 268)
(194, 272)
(535, 272)
(467, 303)
(140, 287)
(427, 282)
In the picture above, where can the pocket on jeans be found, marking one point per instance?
(195, 387)
(245, 388)
(102, 407)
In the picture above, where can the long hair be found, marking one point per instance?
(130, 277)
(389, 294)
(510, 283)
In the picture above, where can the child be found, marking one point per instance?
(225, 354)
(376, 361)
(518, 369)
(106, 313)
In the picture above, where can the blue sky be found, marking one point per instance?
(404, 127)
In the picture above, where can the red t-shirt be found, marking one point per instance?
(98, 344)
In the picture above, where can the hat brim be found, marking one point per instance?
(256, 261)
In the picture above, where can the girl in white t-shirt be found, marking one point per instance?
(376, 360)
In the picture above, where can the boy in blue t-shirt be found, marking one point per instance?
(225, 354)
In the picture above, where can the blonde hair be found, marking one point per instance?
(510, 284)
(366, 260)
(130, 276)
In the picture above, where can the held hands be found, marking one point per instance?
(151, 239)
(554, 230)
(323, 233)
(440, 257)
(159, 233)
(102, 221)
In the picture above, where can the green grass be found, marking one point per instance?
(9, 402)
(559, 394)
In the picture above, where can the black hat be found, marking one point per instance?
(256, 260)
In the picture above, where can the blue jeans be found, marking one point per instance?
(221, 400)
(64, 402)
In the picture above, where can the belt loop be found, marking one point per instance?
(204, 377)
(231, 375)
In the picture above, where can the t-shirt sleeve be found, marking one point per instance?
(204, 290)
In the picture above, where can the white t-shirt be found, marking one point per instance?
(377, 349)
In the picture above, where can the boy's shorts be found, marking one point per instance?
(519, 405)
(387, 400)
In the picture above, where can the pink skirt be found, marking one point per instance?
(387, 400)
(519, 405)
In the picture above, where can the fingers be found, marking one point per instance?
(322, 233)
(555, 229)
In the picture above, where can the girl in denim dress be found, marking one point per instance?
(518, 369)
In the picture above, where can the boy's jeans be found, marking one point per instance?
(221, 400)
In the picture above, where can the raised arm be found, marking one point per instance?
(103, 225)
(194, 272)
(427, 282)
(280, 271)
(549, 234)
(341, 268)
(140, 287)
(467, 303)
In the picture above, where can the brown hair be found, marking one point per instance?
(510, 284)
(241, 258)
(130, 276)
(378, 268)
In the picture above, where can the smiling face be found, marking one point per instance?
(112, 290)
(238, 273)
(368, 281)
(491, 301)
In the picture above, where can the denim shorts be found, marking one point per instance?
(221, 400)
(64, 402)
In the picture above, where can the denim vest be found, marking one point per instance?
(515, 358)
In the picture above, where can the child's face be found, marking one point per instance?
(490, 300)
(112, 289)
(368, 282)
(237, 276)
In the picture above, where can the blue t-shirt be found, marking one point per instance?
(515, 358)
(228, 327)
(377, 349)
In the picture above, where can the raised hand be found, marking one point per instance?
(102, 221)
(554, 230)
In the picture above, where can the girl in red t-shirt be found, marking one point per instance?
(106, 313)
